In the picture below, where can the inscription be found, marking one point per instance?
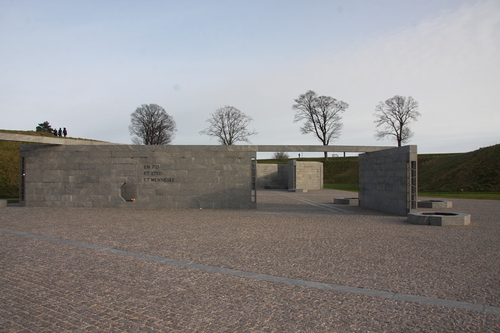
(151, 170)
(151, 166)
(167, 180)
(153, 173)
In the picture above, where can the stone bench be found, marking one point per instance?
(434, 204)
(439, 218)
(298, 190)
(346, 201)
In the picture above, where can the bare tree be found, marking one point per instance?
(229, 125)
(321, 115)
(395, 115)
(151, 125)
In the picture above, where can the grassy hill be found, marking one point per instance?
(476, 171)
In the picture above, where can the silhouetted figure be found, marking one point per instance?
(60, 132)
(54, 131)
(65, 132)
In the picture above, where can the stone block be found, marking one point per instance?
(434, 204)
(439, 218)
(346, 201)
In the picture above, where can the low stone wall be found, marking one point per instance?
(136, 176)
(272, 176)
(295, 176)
(305, 175)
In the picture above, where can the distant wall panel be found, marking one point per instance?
(387, 181)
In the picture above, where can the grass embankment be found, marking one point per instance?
(9, 169)
(473, 175)
(476, 171)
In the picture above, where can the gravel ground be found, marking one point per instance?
(53, 287)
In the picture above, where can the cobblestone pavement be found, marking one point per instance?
(62, 286)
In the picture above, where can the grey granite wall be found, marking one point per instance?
(136, 176)
(305, 175)
(387, 181)
(272, 176)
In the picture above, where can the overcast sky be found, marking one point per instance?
(87, 65)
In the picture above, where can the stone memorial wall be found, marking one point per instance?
(388, 180)
(136, 176)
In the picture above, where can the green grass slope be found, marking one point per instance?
(9, 169)
(476, 171)
(341, 170)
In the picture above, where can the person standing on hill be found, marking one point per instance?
(65, 132)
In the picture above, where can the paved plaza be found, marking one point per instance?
(297, 263)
